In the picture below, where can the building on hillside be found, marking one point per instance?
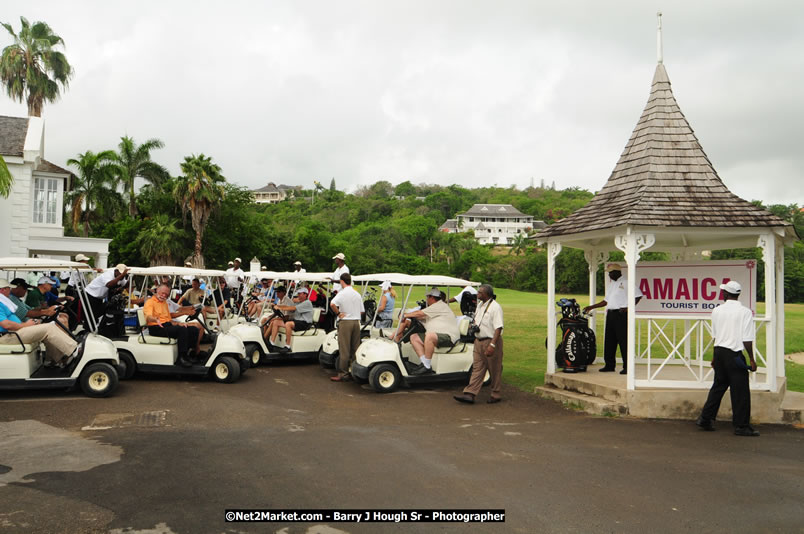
(493, 224)
(32, 215)
(270, 194)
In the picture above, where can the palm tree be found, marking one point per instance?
(132, 162)
(160, 240)
(92, 188)
(519, 244)
(31, 65)
(199, 191)
(6, 180)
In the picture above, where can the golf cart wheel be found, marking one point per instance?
(384, 378)
(253, 354)
(226, 369)
(98, 380)
(128, 366)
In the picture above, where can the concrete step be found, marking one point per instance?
(793, 407)
(586, 403)
(610, 386)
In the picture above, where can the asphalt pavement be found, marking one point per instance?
(169, 455)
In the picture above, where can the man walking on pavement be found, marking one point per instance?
(732, 330)
(347, 306)
(488, 349)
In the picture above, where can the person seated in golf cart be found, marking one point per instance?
(385, 309)
(19, 288)
(161, 324)
(271, 328)
(258, 296)
(193, 296)
(60, 347)
(219, 300)
(441, 329)
(302, 314)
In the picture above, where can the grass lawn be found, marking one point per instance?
(526, 330)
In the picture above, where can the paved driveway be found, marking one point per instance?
(169, 456)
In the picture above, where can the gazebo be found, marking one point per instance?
(665, 195)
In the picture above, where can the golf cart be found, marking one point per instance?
(22, 365)
(306, 344)
(223, 355)
(386, 364)
(328, 356)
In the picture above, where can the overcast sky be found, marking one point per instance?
(474, 93)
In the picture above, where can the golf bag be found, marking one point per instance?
(578, 347)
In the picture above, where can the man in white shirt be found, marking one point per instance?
(732, 330)
(467, 299)
(347, 306)
(616, 303)
(488, 349)
(235, 277)
(98, 289)
(340, 261)
(440, 330)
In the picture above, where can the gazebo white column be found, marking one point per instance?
(767, 242)
(552, 251)
(593, 259)
(780, 370)
(632, 244)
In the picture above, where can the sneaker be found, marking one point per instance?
(745, 431)
(422, 371)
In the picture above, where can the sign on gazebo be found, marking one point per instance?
(692, 288)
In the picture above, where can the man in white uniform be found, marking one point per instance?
(616, 303)
(98, 289)
(341, 269)
(732, 330)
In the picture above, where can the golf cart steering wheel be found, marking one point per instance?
(414, 327)
(51, 318)
(277, 314)
(196, 316)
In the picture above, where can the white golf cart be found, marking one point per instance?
(225, 358)
(328, 356)
(22, 365)
(305, 345)
(386, 365)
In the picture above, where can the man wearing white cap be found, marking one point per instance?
(235, 277)
(98, 289)
(297, 267)
(732, 331)
(616, 303)
(440, 330)
(340, 261)
(60, 348)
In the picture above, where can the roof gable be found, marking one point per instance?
(663, 178)
(12, 135)
(504, 210)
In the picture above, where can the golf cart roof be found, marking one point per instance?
(41, 264)
(168, 270)
(293, 275)
(418, 280)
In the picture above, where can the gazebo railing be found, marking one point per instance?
(676, 352)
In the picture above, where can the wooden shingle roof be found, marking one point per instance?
(663, 178)
(12, 135)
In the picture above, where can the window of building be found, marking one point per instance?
(46, 200)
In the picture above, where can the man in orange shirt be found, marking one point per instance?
(160, 324)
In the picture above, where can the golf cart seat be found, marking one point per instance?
(15, 347)
(145, 338)
(463, 330)
(313, 330)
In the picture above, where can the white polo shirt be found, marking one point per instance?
(336, 277)
(97, 288)
(617, 294)
(232, 277)
(489, 317)
(732, 323)
(349, 302)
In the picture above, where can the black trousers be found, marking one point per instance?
(186, 335)
(616, 334)
(729, 374)
(98, 307)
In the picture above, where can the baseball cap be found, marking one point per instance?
(281, 289)
(188, 264)
(731, 287)
(238, 260)
(231, 263)
(4, 283)
(19, 282)
(613, 267)
(302, 290)
(434, 292)
(45, 280)
(81, 257)
(120, 267)
(297, 263)
(339, 256)
(385, 285)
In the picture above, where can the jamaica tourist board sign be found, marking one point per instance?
(692, 288)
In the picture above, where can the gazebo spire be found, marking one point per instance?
(659, 38)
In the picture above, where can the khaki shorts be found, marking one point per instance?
(443, 339)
